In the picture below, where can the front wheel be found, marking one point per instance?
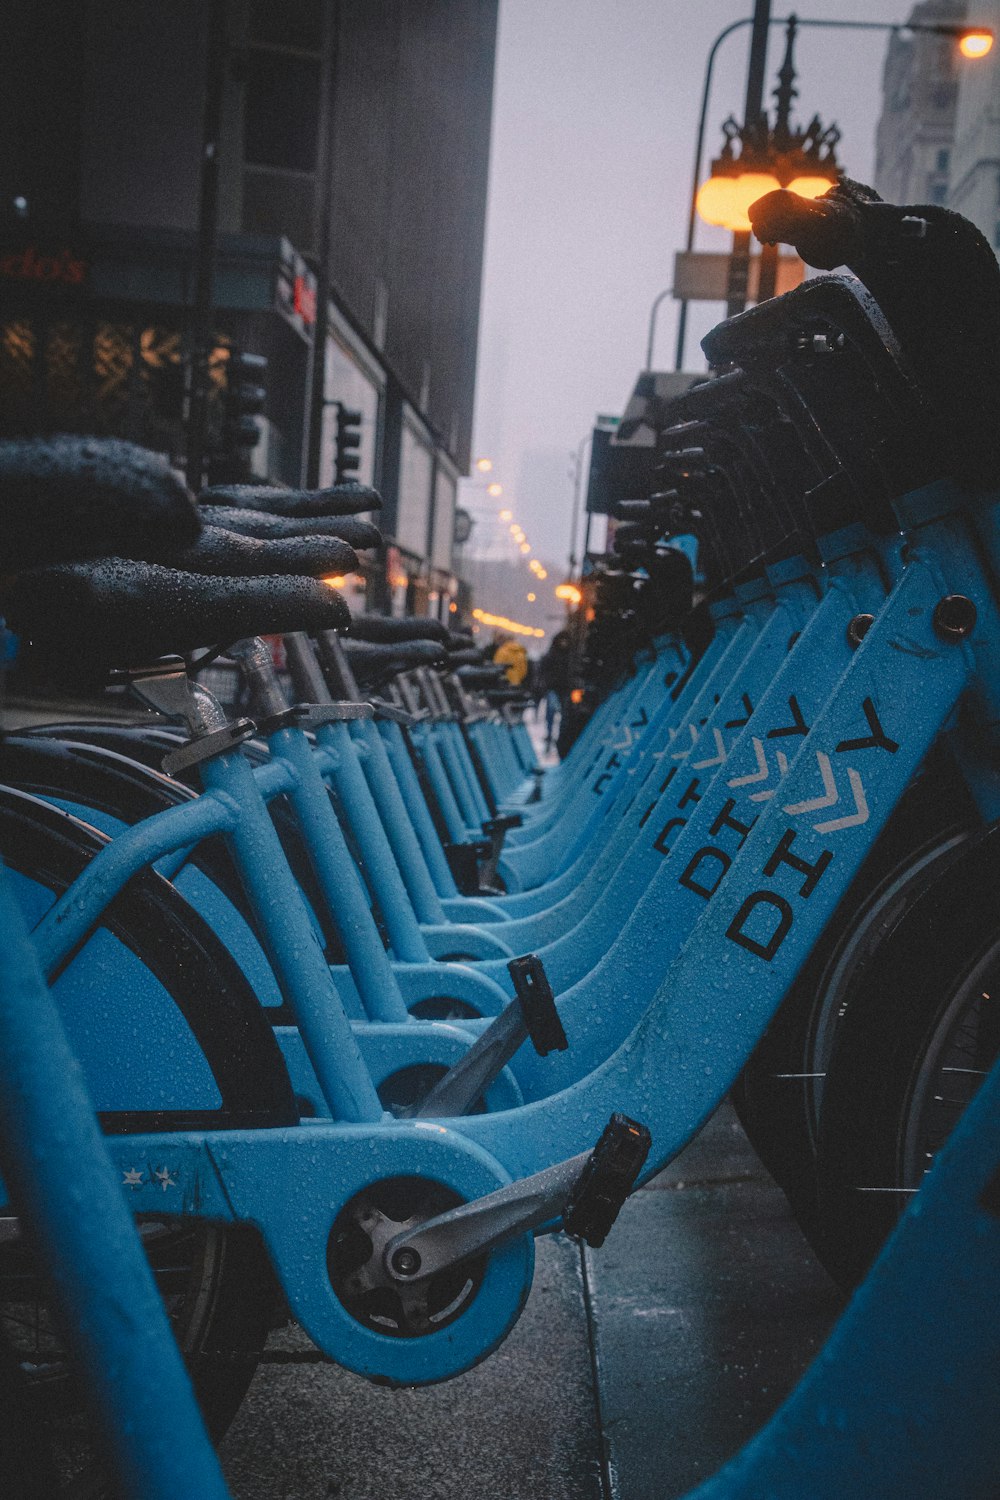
(920, 1033)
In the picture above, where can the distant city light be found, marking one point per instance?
(484, 465)
(506, 515)
(525, 547)
(569, 592)
(501, 622)
(531, 598)
(495, 489)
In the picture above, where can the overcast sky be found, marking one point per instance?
(595, 109)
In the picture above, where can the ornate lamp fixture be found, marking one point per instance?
(802, 160)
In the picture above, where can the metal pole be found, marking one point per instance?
(696, 175)
(652, 324)
(739, 262)
(577, 486)
(317, 391)
(208, 228)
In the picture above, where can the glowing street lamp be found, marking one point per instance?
(506, 515)
(484, 465)
(495, 489)
(975, 44)
(569, 592)
(802, 160)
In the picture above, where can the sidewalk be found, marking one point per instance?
(635, 1371)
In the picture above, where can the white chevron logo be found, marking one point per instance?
(683, 754)
(716, 760)
(763, 771)
(830, 798)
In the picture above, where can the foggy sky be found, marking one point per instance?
(595, 110)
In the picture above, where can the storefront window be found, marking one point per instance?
(445, 493)
(281, 111)
(345, 380)
(416, 464)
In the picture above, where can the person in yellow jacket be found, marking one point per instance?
(511, 655)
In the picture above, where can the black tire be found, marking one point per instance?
(920, 1030)
(217, 1281)
(778, 1096)
(138, 750)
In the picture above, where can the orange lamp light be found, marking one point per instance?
(724, 200)
(569, 592)
(975, 44)
(810, 187)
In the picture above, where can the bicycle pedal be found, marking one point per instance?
(538, 1004)
(608, 1176)
(464, 861)
(499, 825)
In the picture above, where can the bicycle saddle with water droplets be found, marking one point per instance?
(338, 500)
(63, 498)
(78, 621)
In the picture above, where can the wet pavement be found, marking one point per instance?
(635, 1371)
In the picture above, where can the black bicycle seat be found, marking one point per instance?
(63, 498)
(465, 659)
(372, 663)
(256, 523)
(481, 677)
(382, 631)
(338, 500)
(500, 697)
(231, 554)
(80, 620)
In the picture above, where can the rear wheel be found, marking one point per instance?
(151, 983)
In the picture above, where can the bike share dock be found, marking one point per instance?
(635, 1372)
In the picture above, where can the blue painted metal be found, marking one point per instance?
(901, 1401)
(67, 1192)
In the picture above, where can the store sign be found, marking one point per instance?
(703, 275)
(49, 267)
(304, 299)
(295, 293)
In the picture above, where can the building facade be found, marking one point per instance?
(938, 136)
(353, 157)
(974, 188)
(916, 129)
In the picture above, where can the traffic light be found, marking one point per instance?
(246, 394)
(347, 461)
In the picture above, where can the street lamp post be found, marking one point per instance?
(652, 324)
(577, 457)
(974, 42)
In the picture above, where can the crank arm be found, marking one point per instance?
(586, 1191)
(532, 1013)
